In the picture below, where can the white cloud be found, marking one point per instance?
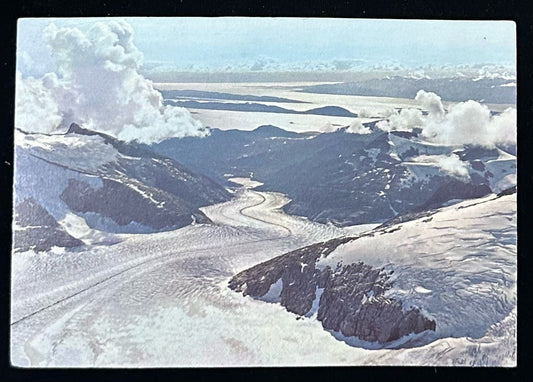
(471, 123)
(366, 113)
(430, 102)
(406, 119)
(449, 164)
(329, 128)
(35, 108)
(463, 123)
(387, 112)
(503, 127)
(98, 85)
(384, 125)
(358, 128)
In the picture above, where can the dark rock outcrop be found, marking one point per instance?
(158, 171)
(121, 203)
(507, 191)
(38, 230)
(352, 301)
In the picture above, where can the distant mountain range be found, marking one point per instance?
(84, 179)
(487, 90)
(177, 94)
(335, 111)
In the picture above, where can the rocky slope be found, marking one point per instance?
(36, 229)
(339, 296)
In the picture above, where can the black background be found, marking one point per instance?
(519, 11)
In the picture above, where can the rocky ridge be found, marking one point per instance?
(349, 299)
(36, 229)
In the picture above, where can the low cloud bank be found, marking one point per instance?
(449, 164)
(463, 123)
(357, 127)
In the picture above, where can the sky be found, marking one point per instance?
(237, 42)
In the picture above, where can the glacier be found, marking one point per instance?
(161, 299)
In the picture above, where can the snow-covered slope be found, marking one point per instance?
(455, 266)
(92, 183)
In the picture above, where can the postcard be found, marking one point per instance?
(235, 191)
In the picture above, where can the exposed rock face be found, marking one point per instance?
(352, 301)
(298, 297)
(121, 203)
(353, 304)
(38, 229)
(140, 163)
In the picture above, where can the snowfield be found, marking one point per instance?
(162, 299)
(226, 224)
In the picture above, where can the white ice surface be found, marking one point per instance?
(162, 299)
(82, 153)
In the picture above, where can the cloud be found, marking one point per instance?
(370, 112)
(463, 123)
(430, 102)
(36, 110)
(366, 113)
(387, 112)
(97, 84)
(503, 127)
(471, 123)
(449, 164)
(329, 128)
(406, 119)
(384, 125)
(358, 128)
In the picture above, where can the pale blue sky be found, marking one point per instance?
(215, 42)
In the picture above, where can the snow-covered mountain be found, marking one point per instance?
(451, 272)
(349, 178)
(86, 183)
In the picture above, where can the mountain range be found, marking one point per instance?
(348, 178)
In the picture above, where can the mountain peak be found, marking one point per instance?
(77, 129)
(273, 131)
